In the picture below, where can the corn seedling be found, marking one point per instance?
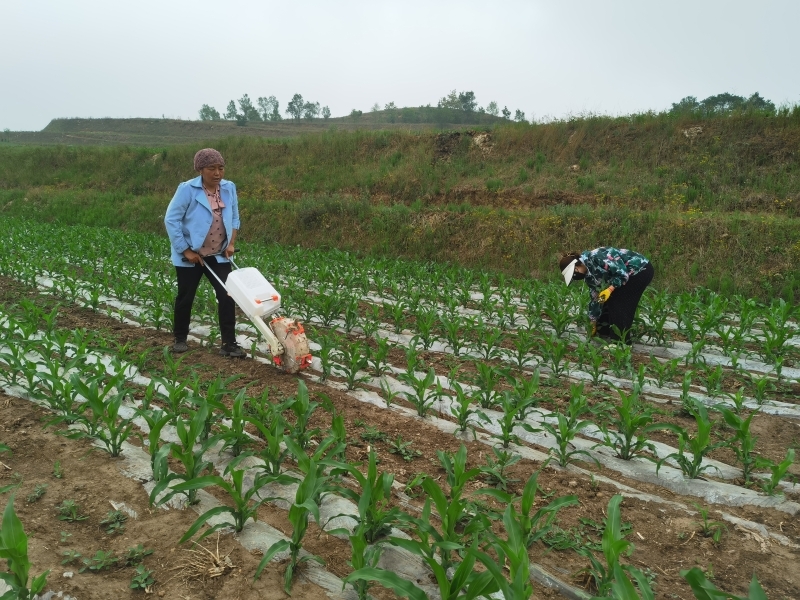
(612, 573)
(58, 472)
(777, 472)
(554, 351)
(303, 409)
(420, 396)
(354, 363)
(375, 515)
(189, 451)
(703, 589)
(742, 443)
(486, 379)
(233, 435)
(14, 549)
(378, 358)
(242, 498)
(632, 421)
(591, 358)
(762, 386)
(453, 326)
(461, 409)
(508, 421)
(488, 342)
(156, 420)
(494, 471)
(692, 448)
(708, 528)
(304, 505)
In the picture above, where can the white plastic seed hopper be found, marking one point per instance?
(258, 300)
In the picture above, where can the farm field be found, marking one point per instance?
(680, 449)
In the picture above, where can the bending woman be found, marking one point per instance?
(617, 279)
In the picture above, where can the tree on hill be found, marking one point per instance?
(721, 104)
(459, 101)
(295, 107)
(326, 112)
(519, 116)
(209, 113)
(310, 110)
(247, 109)
(506, 113)
(230, 112)
(467, 101)
(492, 109)
(269, 108)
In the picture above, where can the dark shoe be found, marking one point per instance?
(180, 346)
(233, 350)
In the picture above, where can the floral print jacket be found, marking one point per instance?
(609, 266)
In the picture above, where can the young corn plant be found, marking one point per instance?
(466, 583)
(420, 396)
(245, 498)
(512, 553)
(494, 471)
(743, 443)
(488, 342)
(103, 423)
(234, 435)
(14, 549)
(564, 432)
(305, 504)
(777, 472)
(508, 421)
(591, 359)
(303, 409)
(189, 452)
(461, 409)
(156, 420)
(378, 358)
(703, 589)
(692, 448)
(612, 574)
(459, 526)
(708, 528)
(554, 352)
(453, 326)
(523, 342)
(354, 363)
(631, 420)
(486, 379)
(525, 394)
(533, 525)
(375, 517)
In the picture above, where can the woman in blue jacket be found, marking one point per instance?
(202, 220)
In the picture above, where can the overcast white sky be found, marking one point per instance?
(98, 58)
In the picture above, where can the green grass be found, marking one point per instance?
(719, 210)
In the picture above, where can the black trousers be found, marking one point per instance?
(188, 280)
(620, 309)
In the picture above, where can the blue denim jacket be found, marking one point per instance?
(188, 217)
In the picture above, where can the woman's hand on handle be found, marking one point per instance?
(192, 257)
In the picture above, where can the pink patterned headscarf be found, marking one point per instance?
(207, 157)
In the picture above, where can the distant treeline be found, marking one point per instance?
(267, 108)
(462, 108)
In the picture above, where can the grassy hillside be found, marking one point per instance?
(167, 132)
(714, 202)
